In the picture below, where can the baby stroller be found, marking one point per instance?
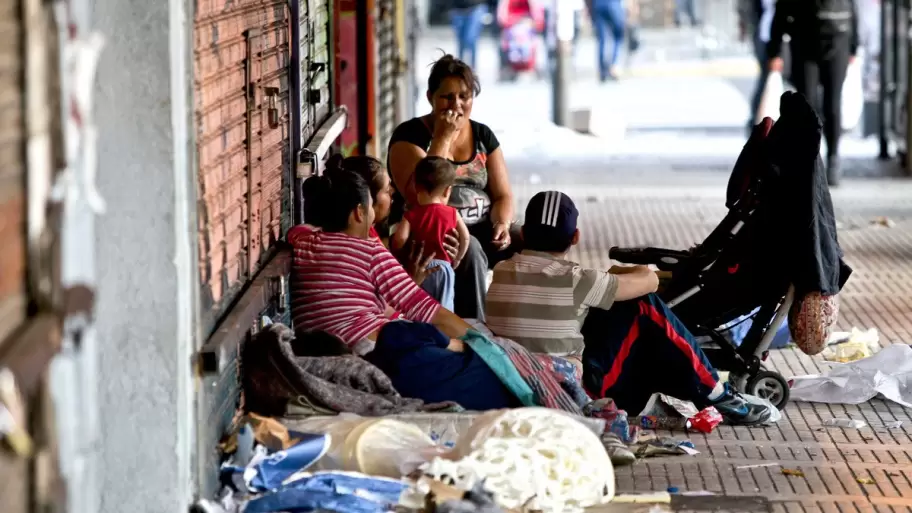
(521, 21)
(737, 271)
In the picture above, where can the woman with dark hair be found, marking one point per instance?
(482, 192)
(378, 181)
(342, 282)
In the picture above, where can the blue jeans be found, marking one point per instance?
(441, 284)
(467, 24)
(609, 19)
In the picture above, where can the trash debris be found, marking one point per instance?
(530, 458)
(643, 498)
(374, 446)
(792, 472)
(893, 424)
(845, 423)
(657, 422)
(476, 500)
(886, 373)
(271, 472)
(705, 421)
(665, 447)
(883, 221)
(616, 420)
(757, 465)
(333, 491)
(856, 346)
(865, 481)
(267, 431)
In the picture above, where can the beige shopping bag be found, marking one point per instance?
(772, 92)
(853, 95)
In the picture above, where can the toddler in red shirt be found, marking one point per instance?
(431, 219)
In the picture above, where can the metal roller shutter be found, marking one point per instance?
(388, 64)
(242, 53)
(315, 61)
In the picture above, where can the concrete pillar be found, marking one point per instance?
(145, 251)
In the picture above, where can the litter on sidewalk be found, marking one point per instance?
(852, 346)
(885, 374)
(845, 423)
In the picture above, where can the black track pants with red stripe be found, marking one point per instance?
(638, 348)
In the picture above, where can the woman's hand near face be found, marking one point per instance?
(446, 125)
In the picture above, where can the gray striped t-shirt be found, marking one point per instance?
(541, 301)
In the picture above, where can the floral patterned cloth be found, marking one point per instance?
(811, 321)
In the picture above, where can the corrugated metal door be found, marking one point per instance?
(388, 63)
(242, 55)
(316, 64)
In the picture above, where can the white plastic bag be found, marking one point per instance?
(852, 95)
(372, 445)
(772, 92)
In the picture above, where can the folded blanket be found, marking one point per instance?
(500, 363)
(555, 385)
(272, 376)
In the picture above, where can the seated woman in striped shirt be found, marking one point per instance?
(342, 282)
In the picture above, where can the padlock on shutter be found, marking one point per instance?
(272, 106)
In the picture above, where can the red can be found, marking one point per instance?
(705, 421)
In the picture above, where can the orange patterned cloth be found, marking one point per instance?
(811, 320)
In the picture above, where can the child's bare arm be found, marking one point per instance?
(463, 241)
(400, 238)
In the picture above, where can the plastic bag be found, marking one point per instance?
(852, 95)
(856, 346)
(772, 92)
(373, 446)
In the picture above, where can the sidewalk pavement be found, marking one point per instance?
(840, 469)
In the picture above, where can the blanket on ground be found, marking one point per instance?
(554, 380)
(272, 375)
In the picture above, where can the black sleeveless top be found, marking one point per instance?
(470, 193)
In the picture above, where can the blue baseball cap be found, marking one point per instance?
(550, 221)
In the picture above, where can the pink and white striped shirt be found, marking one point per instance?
(342, 285)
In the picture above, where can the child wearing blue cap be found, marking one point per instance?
(627, 342)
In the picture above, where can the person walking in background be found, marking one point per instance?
(688, 8)
(467, 20)
(824, 40)
(755, 18)
(610, 20)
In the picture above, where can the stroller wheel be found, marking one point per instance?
(769, 385)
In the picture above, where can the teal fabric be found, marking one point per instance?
(495, 357)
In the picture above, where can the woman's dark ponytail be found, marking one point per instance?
(330, 198)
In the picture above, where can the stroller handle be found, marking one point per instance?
(662, 258)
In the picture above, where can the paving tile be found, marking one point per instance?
(836, 462)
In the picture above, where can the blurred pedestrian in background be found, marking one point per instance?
(688, 8)
(609, 17)
(823, 41)
(755, 18)
(467, 19)
(576, 6)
